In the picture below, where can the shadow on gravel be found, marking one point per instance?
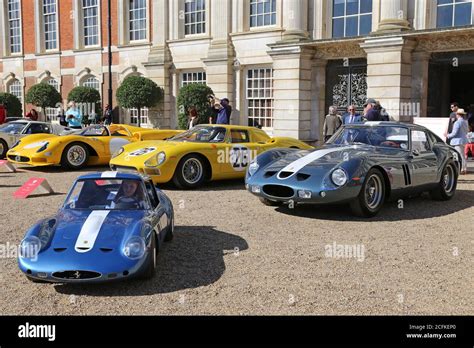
(193, 259)
(58, 169)
(413, 209)
(221, 185)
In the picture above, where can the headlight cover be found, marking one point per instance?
(156, 160)
(43, 148)
(253, 167)
(135, 248)
(118, 152)
(30, 247)
(339, 177)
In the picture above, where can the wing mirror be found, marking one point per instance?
(415, 152)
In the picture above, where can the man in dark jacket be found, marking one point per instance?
(370, 111)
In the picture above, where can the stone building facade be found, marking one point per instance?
(282, 63)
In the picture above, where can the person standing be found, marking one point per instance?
(108, 115)
(3, 114)
(61, 116)
(228, 111)
(332, 123)
(351, 116)
(452, 118)
(73, 116)
(371, 114)
(458, 137)
(193, 119)
(32, 115)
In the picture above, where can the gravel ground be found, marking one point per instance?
(232, 255)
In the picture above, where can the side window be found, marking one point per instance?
(419, 141)
(239, 136)
(152, 194)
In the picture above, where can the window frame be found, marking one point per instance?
(83, 24)
(43, 26)
(453, 3)
(128, 23)
(86, 80)
(260, 27)
(193, 81)
(272, 98)
(203, 22)
(8, 27)
(331, 18)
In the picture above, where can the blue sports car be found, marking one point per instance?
(362, 165)
(110, 227)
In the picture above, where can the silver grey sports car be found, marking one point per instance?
(11, 132)
(362, 165)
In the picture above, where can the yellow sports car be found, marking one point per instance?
(206, 152)
(93, 145)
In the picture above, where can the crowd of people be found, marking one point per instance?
(373, 111)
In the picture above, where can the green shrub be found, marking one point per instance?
(194, 95)
(139, 92)
(12, 104)
(43, 96)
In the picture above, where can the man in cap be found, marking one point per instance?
(370, 111)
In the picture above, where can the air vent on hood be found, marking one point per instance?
(284, 175)
(106, 250)
(269, 174)
(59, 250)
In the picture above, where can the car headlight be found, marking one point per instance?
(134, 248)
(339, 177)
(118, 152)
(42, 148)
(46, 232)
(30, 247)
(253, 167)
(15, 144)
(156, 160)
(455, 155)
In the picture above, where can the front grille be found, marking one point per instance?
(278, 191)
(19, 158)
(79, 275)
(124, 169)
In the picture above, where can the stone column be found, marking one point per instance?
(393, 16)
(292, 68)
(318, 93)
(220, 58)
(158, 65)
(295, 20)
(419, 87)
(389, 73)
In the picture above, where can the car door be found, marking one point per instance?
(158, 217)
(239, 152)
(424, 162)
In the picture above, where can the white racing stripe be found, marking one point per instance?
(296, 166)
(109, 174)
(90, 230)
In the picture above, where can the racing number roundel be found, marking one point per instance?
(239, 158)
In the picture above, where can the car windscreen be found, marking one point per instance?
(13, 127)
(95, 131)
(202, 134)
(380, 136)
(107, 194)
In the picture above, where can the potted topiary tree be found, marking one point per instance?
(87, 99)
(12, 104)
(139, 92)
(44, 96)
(197, 96)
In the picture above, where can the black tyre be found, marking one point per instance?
(170, 231)
(3, 149)
(190, 173)
(447, 185)
(372, 195)
(150, 269)
(75, 156)
(270, 203)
